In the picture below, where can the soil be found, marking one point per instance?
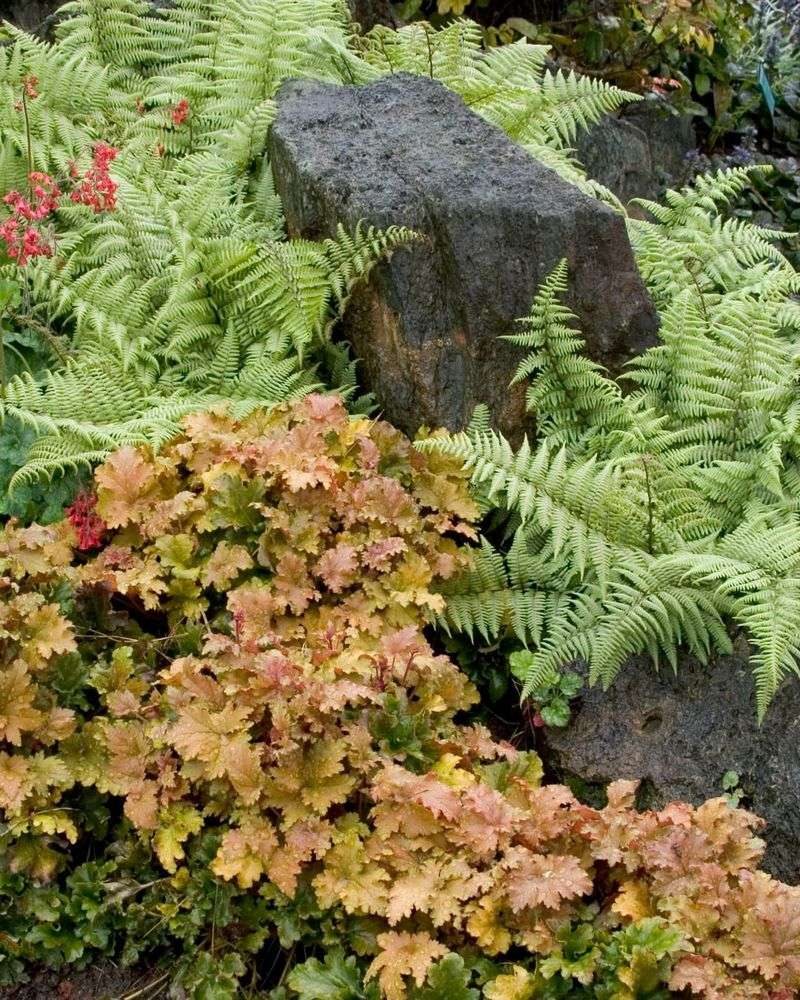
(100, 982)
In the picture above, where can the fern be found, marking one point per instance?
(189, 293)
(649, 521)
(569, 394)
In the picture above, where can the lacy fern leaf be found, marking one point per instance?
(650, 521)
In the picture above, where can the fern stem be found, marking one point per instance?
(288, 966)
(700, 294)
(44, 332)
(147, 988)
(646, 466)
(430, 50)
(2, 359)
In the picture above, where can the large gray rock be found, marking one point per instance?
(404, 150)
(680, 734)
(639, 153)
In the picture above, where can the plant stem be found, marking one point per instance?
(28, 140)
(44, 332)
(2, 359)
(287, 967)
(145, 989)
(646, 464)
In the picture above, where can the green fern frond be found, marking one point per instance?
(667, 512)
(567, 393)
(757, 567)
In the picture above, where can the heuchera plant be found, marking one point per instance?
(220, 658)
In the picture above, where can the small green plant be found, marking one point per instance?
(644, 45)
(732, 787)
(552, 695)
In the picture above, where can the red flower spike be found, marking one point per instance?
(24, 243)
(180, 112)
(89, 526)
(97, 190)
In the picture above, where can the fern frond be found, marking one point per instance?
(568, 393)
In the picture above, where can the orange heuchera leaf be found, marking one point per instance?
(128, 750)
(770, 932)
(401, 785)
(487, 820)
(128, 485)
(700, 975)
(57, 724)
(516, 985)
(221, 742)
(730, 833)
(17, 714)
(246, 853)
(413, 891)
(142, 804)
(403, 955)
(16, 782)
(293, 584)
(487, 925)
(633, 901)
(48, 632)
(176, 825)
(304, 841)
(203, 734)
(543, 879)
(622, 794)
(225, 564)
(379, 555)
(36, 550)
(338, 567)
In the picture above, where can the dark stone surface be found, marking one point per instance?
(680, 734)
(368, 13)
(405, 150)
(28, 14)
(641, 152)
(42, 17)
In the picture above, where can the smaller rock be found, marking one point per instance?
(42, 17)
(37, 16)
(680, 734)
(368, 13)
(639, 153)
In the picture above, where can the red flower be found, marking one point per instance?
(97, 190)
(46, 194)
(22, 239)
(30, 83)
(180, 112)
(89, 526)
